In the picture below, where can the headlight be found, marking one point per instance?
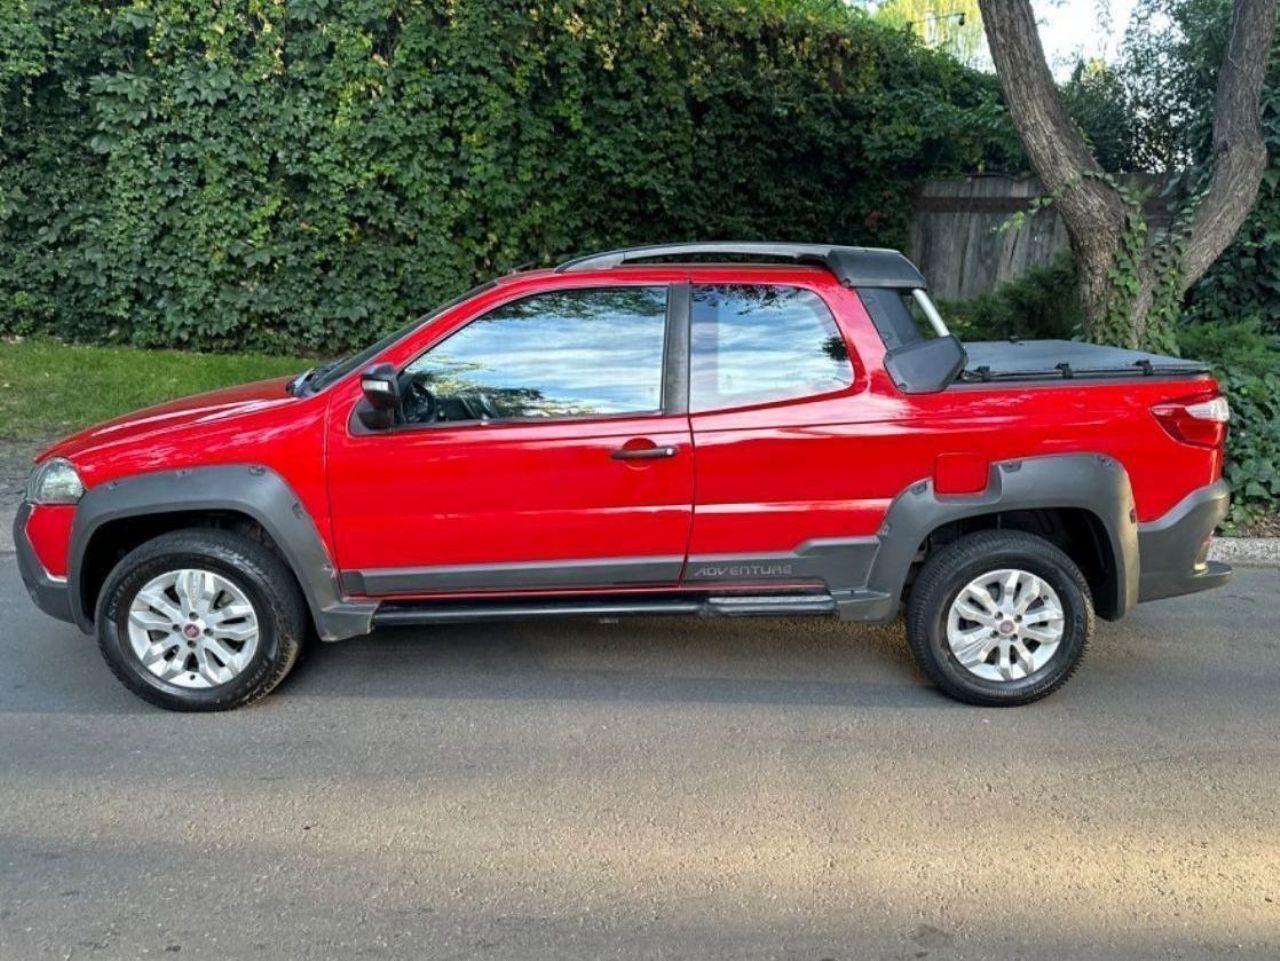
(54, 482)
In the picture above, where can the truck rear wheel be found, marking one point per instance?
(201, 620)
(999, 618)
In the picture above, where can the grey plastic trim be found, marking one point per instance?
(675, 360)
(252, 490)
(444, 612)
(1213, 499)
(1174, 547)
(732, 605)
(853, 266)
(1091, 482)
(926, 366)
(535, 575)
(841, 564)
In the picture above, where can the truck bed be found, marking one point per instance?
(1040, 360)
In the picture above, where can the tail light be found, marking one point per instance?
(1200, 420)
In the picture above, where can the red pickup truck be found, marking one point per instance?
(714, 429)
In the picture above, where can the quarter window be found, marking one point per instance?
(752, 344)
(566, 353)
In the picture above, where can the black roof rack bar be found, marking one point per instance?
(853, 266)
(616, 258)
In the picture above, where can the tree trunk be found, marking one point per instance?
(1096, 215)
(1239, 154)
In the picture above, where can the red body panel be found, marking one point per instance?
(49, 531)
(747, 481)
(252, 424)
(509, 493)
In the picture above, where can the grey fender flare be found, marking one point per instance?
(252, 490)
(1092, 482)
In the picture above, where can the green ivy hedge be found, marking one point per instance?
(255, 174)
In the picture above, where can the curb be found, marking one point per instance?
(1246, 551)
(1243, 551)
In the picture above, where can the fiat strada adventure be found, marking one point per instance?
(713, 429)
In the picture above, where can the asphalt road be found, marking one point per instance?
(661, 789)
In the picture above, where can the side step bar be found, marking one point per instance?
(730, 605)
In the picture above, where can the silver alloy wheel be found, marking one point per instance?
(1005, 625)
(193, 628)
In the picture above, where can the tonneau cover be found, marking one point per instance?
(999, 360)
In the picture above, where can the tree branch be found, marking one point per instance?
(1239, 154)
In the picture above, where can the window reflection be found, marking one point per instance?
(755, 343)
(570, 353)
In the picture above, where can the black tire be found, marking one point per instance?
(260, 574)
(947, 572)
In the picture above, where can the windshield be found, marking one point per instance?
(333, 372)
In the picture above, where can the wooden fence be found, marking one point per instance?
(956, 239)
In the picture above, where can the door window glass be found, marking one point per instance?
(565, 353)
(755, 343)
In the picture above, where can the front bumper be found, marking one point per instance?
(1173, 549)
(51, 594)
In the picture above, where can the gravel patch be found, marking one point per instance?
(1246, 551)
(15, 465)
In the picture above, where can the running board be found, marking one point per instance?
(730, 605)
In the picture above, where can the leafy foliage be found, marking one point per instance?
(1043, 302)
(1152, 109)
(1099, 102)
(298, 177)
(1168, 73)
(952, 26)
(1246, 361)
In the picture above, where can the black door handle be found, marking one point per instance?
(643, 453)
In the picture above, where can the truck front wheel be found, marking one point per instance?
(200, 620)
(999, 618)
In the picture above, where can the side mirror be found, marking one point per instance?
(380, 386)
(381, 396)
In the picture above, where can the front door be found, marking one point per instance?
(537, 450)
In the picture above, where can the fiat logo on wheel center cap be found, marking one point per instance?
(192, 631)
(1006, 627)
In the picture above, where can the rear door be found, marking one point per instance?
(784, 480)
(545, 448)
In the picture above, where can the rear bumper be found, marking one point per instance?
(51, 594)
(1173, 549)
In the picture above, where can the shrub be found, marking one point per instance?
(1246, 361)
(1043, 302)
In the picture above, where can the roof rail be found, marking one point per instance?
(852, 266)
